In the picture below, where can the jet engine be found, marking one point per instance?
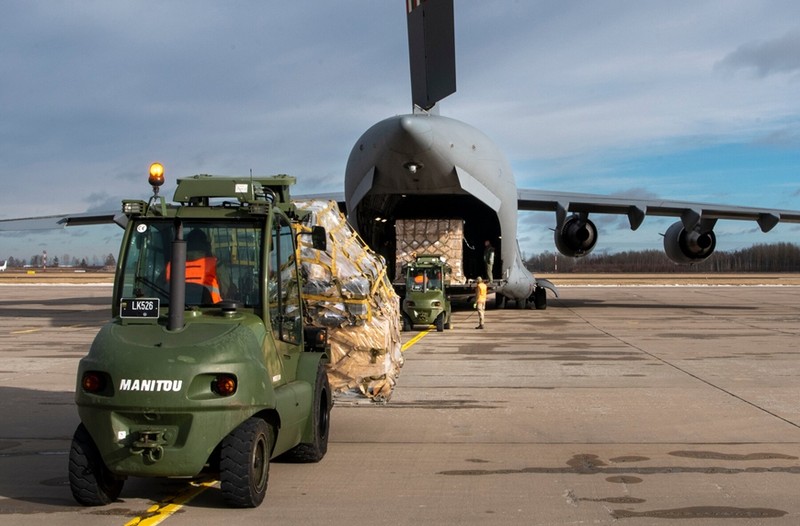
(684, 246)
(576, 237)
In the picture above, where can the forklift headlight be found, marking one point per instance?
(133, 208)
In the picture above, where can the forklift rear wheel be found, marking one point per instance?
(91, 482)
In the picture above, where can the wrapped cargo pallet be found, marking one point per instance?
(430, 237)
(346, 289)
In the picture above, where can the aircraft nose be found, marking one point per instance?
(414, 135)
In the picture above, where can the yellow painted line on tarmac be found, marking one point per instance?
(77, 327)
(414, 340)
(162, 511)
(25, 331)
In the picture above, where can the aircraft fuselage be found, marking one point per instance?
(424, 165)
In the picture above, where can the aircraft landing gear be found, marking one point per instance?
(499, 301)
(540, 298)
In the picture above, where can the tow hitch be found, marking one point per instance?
(150, 443)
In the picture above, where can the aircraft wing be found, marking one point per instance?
(110, 216)
(637, 209)
(333, 196)
(61, 221)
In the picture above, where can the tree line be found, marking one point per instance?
(774, 257)
(40, 261)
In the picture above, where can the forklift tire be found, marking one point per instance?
(91, 482)
(406, 323)
(440, 322)
(449, 323)
(244, 463)
(321, 421)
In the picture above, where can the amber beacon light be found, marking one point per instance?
(156, 175)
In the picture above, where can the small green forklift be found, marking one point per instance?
(426, 301)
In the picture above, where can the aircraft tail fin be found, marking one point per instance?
(432, 50)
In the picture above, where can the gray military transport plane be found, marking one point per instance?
(424, 165)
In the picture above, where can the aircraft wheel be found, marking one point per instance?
(91, 482)
(500, 301)
(320, 421)
(540, 298)
(244, 463)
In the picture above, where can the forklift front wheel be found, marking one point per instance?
(244, 463)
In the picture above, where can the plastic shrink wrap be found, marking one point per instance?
(434, 237)
(346, 289)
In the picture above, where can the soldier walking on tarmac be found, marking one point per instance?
(480, 301)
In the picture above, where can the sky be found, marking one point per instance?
(689, 100)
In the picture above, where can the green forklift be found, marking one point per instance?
(425, 301)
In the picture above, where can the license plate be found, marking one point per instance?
(139, 307)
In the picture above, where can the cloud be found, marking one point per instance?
(788, 137)
(766, 57)
(581, 96)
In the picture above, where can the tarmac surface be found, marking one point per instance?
(616, 405)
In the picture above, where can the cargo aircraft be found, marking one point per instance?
(425, 165)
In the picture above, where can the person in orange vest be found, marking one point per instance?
(420, 280)
(480, 301)
(201, 266)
